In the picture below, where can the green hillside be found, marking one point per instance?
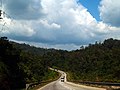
(96, 62)
(19, 67)
(21, 63)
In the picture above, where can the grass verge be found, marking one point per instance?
(49, 77)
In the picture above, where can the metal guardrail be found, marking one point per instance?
(101, 83)
(28, 86)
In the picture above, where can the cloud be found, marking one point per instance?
(49, 26)
(23, 9)
(16, 29)
(110, 12)
(64, 24)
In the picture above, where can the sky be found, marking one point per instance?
(60, 24)
(92, 7)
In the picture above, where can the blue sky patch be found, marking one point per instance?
(92, 6)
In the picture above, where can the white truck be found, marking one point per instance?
(62, 79)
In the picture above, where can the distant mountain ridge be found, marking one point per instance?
(33, 49)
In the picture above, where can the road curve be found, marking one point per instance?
(58, 85)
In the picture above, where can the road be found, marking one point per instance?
(58, 85)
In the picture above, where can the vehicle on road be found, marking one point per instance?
(62, 79)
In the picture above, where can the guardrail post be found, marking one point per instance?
(27, 86)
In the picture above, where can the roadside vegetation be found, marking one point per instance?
(19, 67)
(22, 63)
(99, 62)
(50, 76)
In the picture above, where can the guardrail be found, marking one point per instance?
(32, 85)
(101, 83)
(28, 86)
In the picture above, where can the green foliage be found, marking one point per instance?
(50, 75)
(97, 62)
(21, 63)
(10, 74)
(18, 66)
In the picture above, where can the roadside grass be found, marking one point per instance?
(48, 78)
(70, 79)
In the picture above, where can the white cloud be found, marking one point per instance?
(65, 24)
(16, 28)
(49, 26)
(110, 12)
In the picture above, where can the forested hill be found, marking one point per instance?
(97, 62)
(21, 63)
(34, 50)
(19, 66)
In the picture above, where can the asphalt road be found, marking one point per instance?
(58, 85)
